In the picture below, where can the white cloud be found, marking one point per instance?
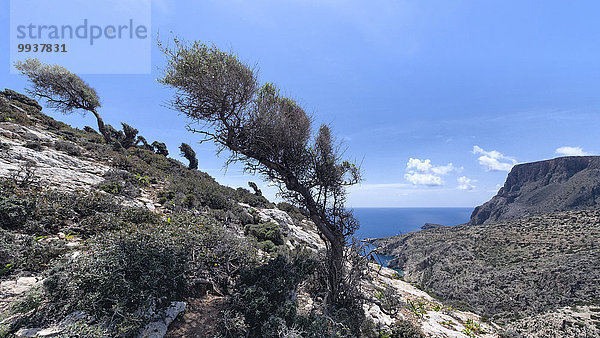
(423, 178)
(419, 165)
(571, 151)
(465, 183)
(444, 170)
(494, 160)
(422, 172)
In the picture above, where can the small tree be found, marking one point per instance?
(143, 144)
(254, 187)
(271, 135)
(160, 148)
(189, 154)
(128, 138)
(62, 90)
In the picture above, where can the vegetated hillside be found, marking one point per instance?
(105, 240)
(560, 184)
(522, 273)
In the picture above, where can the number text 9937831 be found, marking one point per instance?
(41, 48)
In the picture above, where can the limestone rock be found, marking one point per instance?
(57, 168)
(158, 328)
(560, 184)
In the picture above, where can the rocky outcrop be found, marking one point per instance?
(572, 321)
(515, 268)
(560, 184)
(428, 226)
(384, 289)
(158, 328)
(298, 231)
(56, 168)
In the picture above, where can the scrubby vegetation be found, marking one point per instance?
(109, 265)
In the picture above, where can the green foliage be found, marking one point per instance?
(129, 135)
(254, 187)
(32, 300)
(265, 294)
(21, 253)
(50, 81)
(296, 213)
(30, 211)
(114, 188)
(258, 201)
(417, 307)
(189, 154)
(473, 326)
(68, 147)
(405, 329)
(265, 232)
(123, 274)
(206, 190)
(14, 209)
(160, 148)
(448, 323)
(388, 299)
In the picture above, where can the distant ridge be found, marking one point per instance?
(560, 184)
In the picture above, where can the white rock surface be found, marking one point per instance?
(305, 232)
(430, 322)
(22, 333)
(158, 329)
(56, 167)
(13, 288)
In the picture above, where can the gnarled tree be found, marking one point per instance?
(62, 90)
(271, 135)
(189, 154)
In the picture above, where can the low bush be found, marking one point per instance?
(22, 254)
(68, 147)
(124, 274)
(28, 210)
(265, 232)
(265, 294)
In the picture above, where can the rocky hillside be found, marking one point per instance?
(101, 241)
(560, 184)
(518, 261)
(507, 270)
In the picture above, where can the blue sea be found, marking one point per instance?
(385, 222)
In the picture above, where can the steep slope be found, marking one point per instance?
(509, 269)
(560, 184)
(97, 240)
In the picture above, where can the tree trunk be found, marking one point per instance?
(335, 265)
(101, 126)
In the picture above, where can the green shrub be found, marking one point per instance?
(25, 253)
(265, 294)
(68, 147)
(405, 329)
(15, 211)
(296, 213)
(265, 232)
(123, 274)
(27, 210)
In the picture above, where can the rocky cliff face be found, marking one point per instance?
(506, 270)
(560, 184)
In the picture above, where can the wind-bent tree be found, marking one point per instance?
(255, 187)
(160, 148)
(271, 135)
(189, 154)
(128, 135)
(62, 90)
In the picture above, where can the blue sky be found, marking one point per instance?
(437, 99)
